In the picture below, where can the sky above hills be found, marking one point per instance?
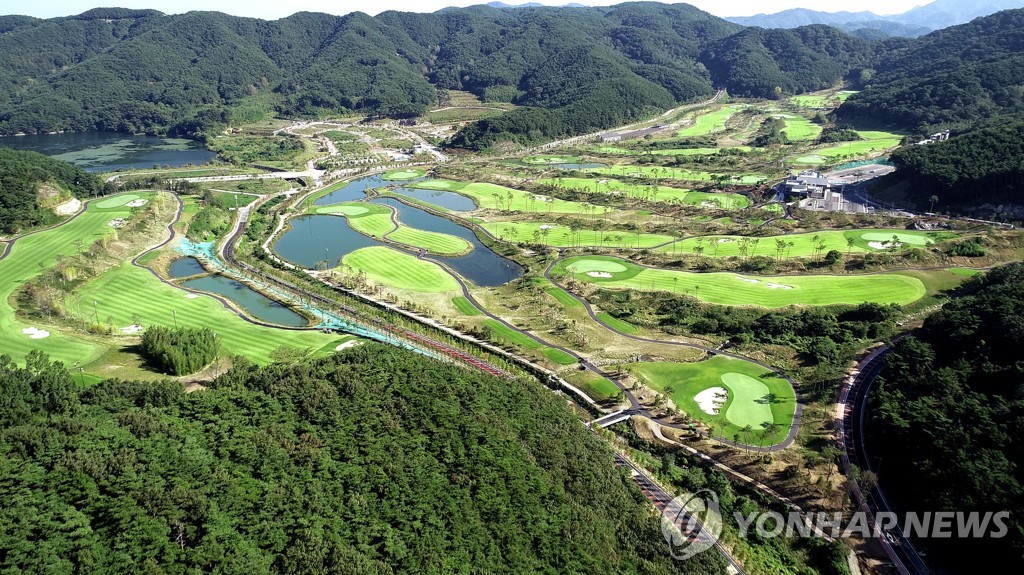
(273, 9)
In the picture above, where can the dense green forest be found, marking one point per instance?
(23, 173)
(949, 411)
(571, 69)
(179, 351)
(979, 166)
(373, 461)
(952, 78)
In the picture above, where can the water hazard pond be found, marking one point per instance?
(314, 240)
(254, 303)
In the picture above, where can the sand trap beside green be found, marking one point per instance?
(904, 238)
(403, 174)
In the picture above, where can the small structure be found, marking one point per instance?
(937, 137)
(808, 183)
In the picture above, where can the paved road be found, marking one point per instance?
(661, 498)
(851, 415)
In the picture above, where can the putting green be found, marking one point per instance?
(403, 174)
(756, 397)
(594, 265)
(116, 201)
(345, 209)
(389, 267)
(904, 238)
(749, 405)
(761, 291)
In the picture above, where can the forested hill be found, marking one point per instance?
(31, 183)
(954, 77)
(375, 461)
(949, 412)
(573, 68)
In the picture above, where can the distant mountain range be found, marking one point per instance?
(915, 22)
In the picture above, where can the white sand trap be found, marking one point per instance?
(602, 181)
(748, 280)
(599, 274)
(116, 222)
(137, 203)
(34, 333)
(882, 245)
(778, 286)
(725, 241)
(131, 329)
(711, 399)
(547, 227)
(191, 295)
(348, 344)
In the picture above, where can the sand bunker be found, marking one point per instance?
(191, 295)
(137, 203)
(348, 344)
(116, 222)
(748, 280)
(34, 333)
(599, 274)
(778, 286)
(883, 245)
(548, 227)
(711, 399)
(725, 241)
(132, 329)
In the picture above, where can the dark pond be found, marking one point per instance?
(256, 304)
(185, 267)
(109, 151)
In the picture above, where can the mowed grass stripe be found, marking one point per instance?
(562, 236)
(29, 257)
(728, 288)
(127, 291)
(495, 197)
(803, 244)
(389, 267)
(375, 221)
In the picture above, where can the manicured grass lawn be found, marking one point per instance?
(127, 291)
(844, 94)
(964, 272)
(616, 323)
(389, 267)
(374, 220)
(807, 101)
(563, 298)
(657, 172)
(713, 121)
(31, 255)
(465, 306)
(735, 289)
(562, 236)
(597, 387)
(803, 244)
(495, 197)
(800, 129)
(653, 192)
(558, 356)
(874, 143)
(755, 397)
(403, 174)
